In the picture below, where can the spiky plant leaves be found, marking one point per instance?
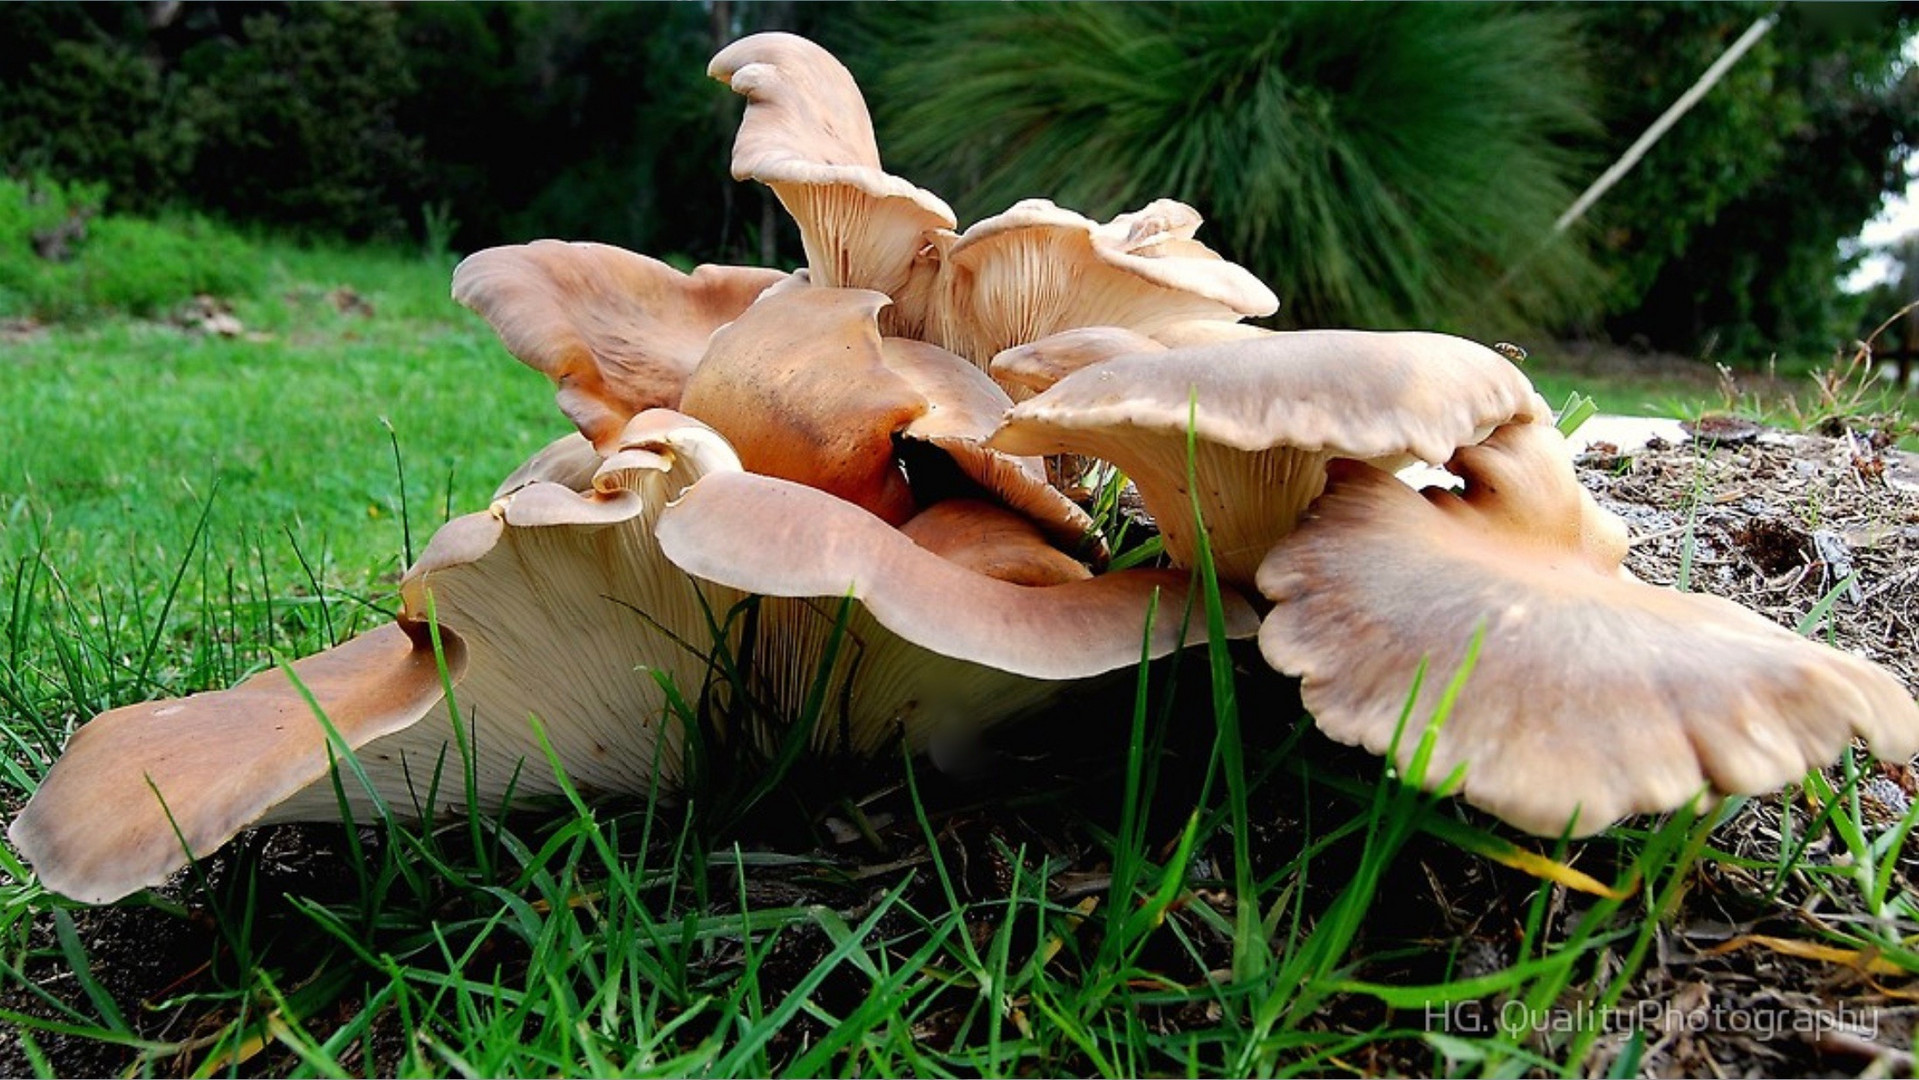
(1377, 165)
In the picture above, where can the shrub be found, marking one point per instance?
(297, 123)
(278, 114)
(118, 264)
(95, 108)
(1728, 234)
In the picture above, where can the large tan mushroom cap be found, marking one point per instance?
(1594, 696)
(807, 135)
(1038, 269)
(981, 649)
(1268, 413)
(615, 331)
(102, 824)
(799, 386)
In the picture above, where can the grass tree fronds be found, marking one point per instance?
(1381, 167)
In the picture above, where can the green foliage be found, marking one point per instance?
(297, 120)
(283, 115)
(1729, 231)
(1383, 165)
(506, 120)
(1395, 165)
(96, 109)
(110, 263)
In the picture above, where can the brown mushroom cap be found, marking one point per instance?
(992, 540)
(767, 536)
(1594, 695)
(1038, 269)
(102, 824)
(1268, 413)
(799, 385)
(615, 331)
(807, 135)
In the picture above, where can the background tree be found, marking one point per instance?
(283, 114)
(1728, 235)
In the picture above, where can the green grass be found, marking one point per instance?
(1182, 879)
(1790, 392)
(129, 428)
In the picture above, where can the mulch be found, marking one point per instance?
(1819, 527)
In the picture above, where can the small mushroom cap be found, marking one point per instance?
(1594, 696)
(964, 408)
(1034, 367)
(799, 385)
(102, 825)
(992, 540)
(807, 135)
(1038, 269)
(1267, 414)
(767, 536)
(615, 331)
(569, 461)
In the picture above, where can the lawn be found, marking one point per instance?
(1172, 873)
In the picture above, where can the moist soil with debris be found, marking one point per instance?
(1821, 525)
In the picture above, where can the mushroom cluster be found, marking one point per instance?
(849, 464)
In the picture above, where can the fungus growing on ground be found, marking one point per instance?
(807, 135)
(1594, 695)
(1266, 415)
(845, 484)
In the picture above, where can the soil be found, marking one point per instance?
(1822, 525)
